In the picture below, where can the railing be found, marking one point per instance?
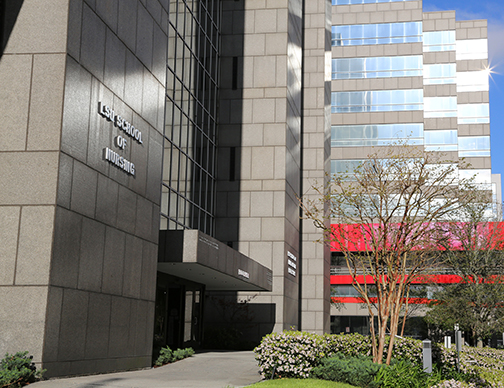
(436, 271)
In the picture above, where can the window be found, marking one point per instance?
(377, 67)
(345, 166)
(440, 107)
(377, 101)
(441, 140)
(439, 74)
(384, 33)
(472, 81)
(474, 146)
(473, 114)
(479, 175)
(439, 41)
(472, 49)
(376, 134)
(190, 143)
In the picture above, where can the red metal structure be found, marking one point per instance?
(358, 243)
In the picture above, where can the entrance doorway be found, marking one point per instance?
(178, 313)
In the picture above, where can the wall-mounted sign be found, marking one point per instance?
(119, 161)
(291, 263)
(119, 141)
(119, 122)
(208, 242)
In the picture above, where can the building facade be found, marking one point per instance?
(401, 74)
(154, 151)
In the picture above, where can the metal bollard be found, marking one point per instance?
(427, 356)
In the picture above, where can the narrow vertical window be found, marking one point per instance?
(235, 73)
(232, 162)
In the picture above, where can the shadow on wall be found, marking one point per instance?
(235, 323)
(9, 11)
(227, 201)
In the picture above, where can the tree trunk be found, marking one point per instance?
(394, 324)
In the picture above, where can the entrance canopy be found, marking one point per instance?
(193, 255)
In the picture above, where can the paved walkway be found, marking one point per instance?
(205, 370)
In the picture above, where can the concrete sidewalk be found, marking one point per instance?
(205, 370)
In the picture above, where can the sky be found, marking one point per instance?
(493, 11)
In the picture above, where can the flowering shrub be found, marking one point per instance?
(295, 354)
(290, 354)
(408, 349)
(486, 365)
(454, 384)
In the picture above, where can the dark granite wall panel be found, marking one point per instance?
(132, 267)
(66, 248)
(100, 314)
(74, 314)
(126, 29)
(84, 182)
(92, 53)
(113, 264)
(76, 111)
(107, 198)
(98, 326)
(91, 255)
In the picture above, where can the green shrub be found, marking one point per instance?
(166, 355)
(180, 354)
(359, 371)
(17, 370)
(403, 374)
(407, 349)
(349, 344)
(295, 354)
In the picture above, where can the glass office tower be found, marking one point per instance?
(401, 74)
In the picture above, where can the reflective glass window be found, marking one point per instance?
(344, 290)
(375, 134)
(377, 101)
(474, 146)
(472, 81)
(377, 67)
(479, 175)
(473, 114)
(444, 140)
(384, 33)
(345, 166)
(439, 41)
(472, 49)
(440, 107)
(444, 73)
(189, 169)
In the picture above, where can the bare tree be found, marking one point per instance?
(386, 218)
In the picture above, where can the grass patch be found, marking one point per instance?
(300, 383)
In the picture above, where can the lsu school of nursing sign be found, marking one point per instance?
(120, 141)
